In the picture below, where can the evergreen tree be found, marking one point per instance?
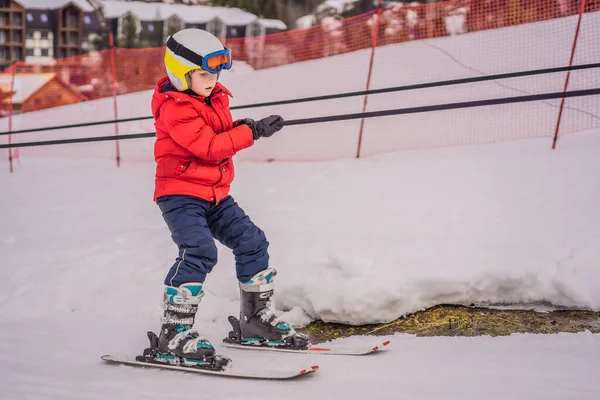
(100, 40)
(129, 32)
(174, 25)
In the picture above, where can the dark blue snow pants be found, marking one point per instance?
(195, 223)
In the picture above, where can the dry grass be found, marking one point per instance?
(451, 320)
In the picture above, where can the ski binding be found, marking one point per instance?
(236, 341)
(216, 365)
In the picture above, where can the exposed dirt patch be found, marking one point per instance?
(451, 320)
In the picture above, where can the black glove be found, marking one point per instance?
(265, 127)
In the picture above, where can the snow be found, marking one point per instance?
(54, 4)
(188, 13)
(234, 16)
(85, 249)
(338, 5)
(456, 21)
(551, 367)
(305, 21)
(272, 23)
(144, 11)
(24, 84)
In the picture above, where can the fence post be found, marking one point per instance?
(114, 92)
(562, 101)
(373, 45)
(10, 115)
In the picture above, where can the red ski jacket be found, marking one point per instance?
(195, 140)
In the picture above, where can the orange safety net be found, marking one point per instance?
(91, 76)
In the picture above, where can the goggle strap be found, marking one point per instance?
(183, 51)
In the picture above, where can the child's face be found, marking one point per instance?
(203, 82)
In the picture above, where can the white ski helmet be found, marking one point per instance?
(191, 49)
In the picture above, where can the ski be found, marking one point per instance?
(340, 351)
(236, 340)
(280, 374)
(214, 365)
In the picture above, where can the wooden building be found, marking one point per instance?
(12, 32)
(32, 92)
(41, 31)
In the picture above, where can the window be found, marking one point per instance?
(17, 53)
(17, 19)
(73, 52)
(150, 28)
(44, 18)
(72, 21)
(29, 34)
(44, 35)
(73, 38)
(3, 37)
(29, 17)
(4, 3)
(3, 19)
(87, 20)
(17, 36)
(2, 53)
(45, 52)
(29, 52)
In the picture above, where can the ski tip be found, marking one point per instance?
(319, 349)
(382, 345)
(309, 370)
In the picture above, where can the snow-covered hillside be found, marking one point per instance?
(84, 249)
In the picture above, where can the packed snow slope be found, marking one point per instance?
(54, 359)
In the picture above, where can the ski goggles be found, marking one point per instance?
(213, 62)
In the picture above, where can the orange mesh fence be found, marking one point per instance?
(416, 44)
(330, 38)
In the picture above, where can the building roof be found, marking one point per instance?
(272, 23)
(25, 85)
(54, 4)
(188, 13)
(192, 14)
(233, 16)
(144, 11)
(28, 84)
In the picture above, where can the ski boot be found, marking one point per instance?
(178, 343)
(258, 325)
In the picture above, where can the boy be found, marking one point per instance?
(195, 140)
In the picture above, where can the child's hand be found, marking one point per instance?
(265, 127)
